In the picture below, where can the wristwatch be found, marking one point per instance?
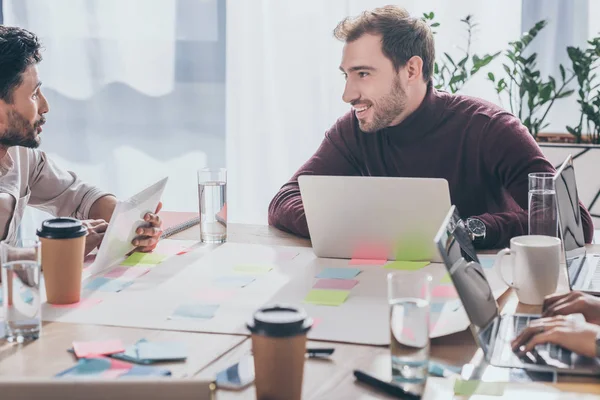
(476, 229)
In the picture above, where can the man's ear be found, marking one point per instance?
(4, 107)
(414, 68)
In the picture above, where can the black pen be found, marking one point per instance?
(312, 353)
(386, 387)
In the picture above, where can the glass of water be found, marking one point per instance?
(212, 196)
(21, 289)
(543, 211)
(408, 297)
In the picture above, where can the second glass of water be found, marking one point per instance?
(212, 196)
(408, 297)
(21, 290)
(543, 211)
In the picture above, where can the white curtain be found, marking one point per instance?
(284, 88)
(136, 90)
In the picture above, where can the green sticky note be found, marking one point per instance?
(446, 279)
(325, 297)
(254, 269)
(407, 265)
(143, 258)
(468, 388)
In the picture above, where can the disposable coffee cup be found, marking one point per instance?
(279, 346)
(63, 248)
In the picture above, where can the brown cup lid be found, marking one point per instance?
(62, 228)
(280, 321)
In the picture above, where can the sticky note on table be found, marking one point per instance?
(195, 311)
(407, 265)
(468, 388)
(487, 262)
(444, 291)
(82, 304)
(335, 284)
(126, 272)
(233, 281)
(87, 366)
(324, 297)
(358, 261)
(254, 269)
(99, 348)
(161, 351)
(102, 284)
(338, 273)
(446, 279)
(137, 258)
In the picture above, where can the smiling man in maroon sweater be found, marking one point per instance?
(399, 125)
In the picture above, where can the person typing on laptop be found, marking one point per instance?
(27, 175)
(578, 336)
(401, 126)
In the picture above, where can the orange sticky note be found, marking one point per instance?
(100, 348)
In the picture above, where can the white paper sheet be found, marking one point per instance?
(152, 298)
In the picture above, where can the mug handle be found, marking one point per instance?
(499, 263)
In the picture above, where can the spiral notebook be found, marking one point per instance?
(175, 222)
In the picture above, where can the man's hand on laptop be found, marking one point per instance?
(148, 236)
(575, 335)
(572, 303)
(96, 229)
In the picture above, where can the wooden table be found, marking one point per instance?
(323, 379)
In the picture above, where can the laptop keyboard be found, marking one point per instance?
(595, 283)
(554, 351)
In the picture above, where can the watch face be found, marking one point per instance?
(476, 226)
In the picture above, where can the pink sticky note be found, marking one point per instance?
(119, 364)
(338, 284)
(316, 321)
(83, 304)
(444, 291)
(371, 251)
(113, 373)
(86, 349)
(358, 261)
(214, 295)
(126, 272)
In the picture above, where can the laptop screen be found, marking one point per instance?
(569, 213)
(468, 277)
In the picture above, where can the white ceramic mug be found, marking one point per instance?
(535, 263)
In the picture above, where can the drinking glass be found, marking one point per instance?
(212, 196)
(408, 297)
(543, 212)
(21, 266)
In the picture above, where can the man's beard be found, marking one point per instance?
(20, 132)
(386, 109)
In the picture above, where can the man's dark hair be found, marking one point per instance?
(402, 36)
(19, 49)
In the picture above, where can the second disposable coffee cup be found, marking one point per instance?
(279, 346)
(63, 248)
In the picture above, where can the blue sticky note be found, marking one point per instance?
(487, 262)
(161, 351)
(436, 307)
(195, 311)
(233, 281)
(338, 273)
(108, 285)
(26, 295)
(87, 366)
(142, 370)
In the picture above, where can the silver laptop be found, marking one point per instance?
(494, 332)
(374, 217)
(583, 268)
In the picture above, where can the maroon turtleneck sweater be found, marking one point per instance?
(484, 153)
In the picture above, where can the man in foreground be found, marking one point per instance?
(27, 175)
(400, 126)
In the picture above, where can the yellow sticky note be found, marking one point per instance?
(446, 279)
(407, 265)
(325, 297)
(254, 269)
(143, 258)
(468, 388)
